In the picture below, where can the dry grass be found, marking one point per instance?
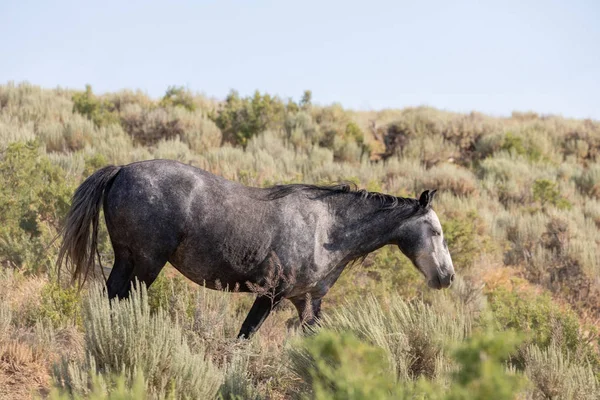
(26, 356)
(23, 370)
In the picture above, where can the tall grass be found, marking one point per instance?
(125, 337)
(555, 376)
(413, 335)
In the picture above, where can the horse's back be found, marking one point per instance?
(151, 201)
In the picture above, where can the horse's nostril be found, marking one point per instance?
(451, 278)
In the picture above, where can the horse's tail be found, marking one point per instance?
(80, 233)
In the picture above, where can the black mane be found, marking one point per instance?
(386, 201)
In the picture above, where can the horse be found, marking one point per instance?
(282, 242)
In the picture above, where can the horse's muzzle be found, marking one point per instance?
(441, 283)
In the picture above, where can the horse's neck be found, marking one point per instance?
(359, 230)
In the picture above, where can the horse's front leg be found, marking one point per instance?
(258, 313)
(309, 310)
(271, 291)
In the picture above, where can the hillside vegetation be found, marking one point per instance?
(519, 200)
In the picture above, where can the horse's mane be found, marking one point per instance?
(405, 206)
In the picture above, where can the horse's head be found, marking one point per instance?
(421, 239)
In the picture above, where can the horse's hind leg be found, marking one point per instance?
(258, 313)
(127, 267)
(119, 278)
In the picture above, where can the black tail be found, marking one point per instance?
(80, 240)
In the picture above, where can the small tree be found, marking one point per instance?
(178, 96)
(306, 101)
(242, 118)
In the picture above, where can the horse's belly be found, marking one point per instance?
(213, 276)
(219, 269)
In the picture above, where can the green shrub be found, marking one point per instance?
(101, 112)
(339, 366)
(173, 149)
(116, 145)
(34, 199)
(391, 272)
(515, 144)
(542, 322)
(558, 252)
(59, 306)
(466, 131)
(546, 192)
(7, 280)
(126, 96)
(435, 136)
(487, 145)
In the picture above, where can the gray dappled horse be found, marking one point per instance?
(287, 241)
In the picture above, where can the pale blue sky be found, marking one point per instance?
(493, 57)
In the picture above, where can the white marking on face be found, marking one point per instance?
(433, 257)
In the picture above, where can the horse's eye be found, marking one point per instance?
(436, 233)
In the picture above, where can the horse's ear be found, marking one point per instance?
(426, 198)
(432, 194)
